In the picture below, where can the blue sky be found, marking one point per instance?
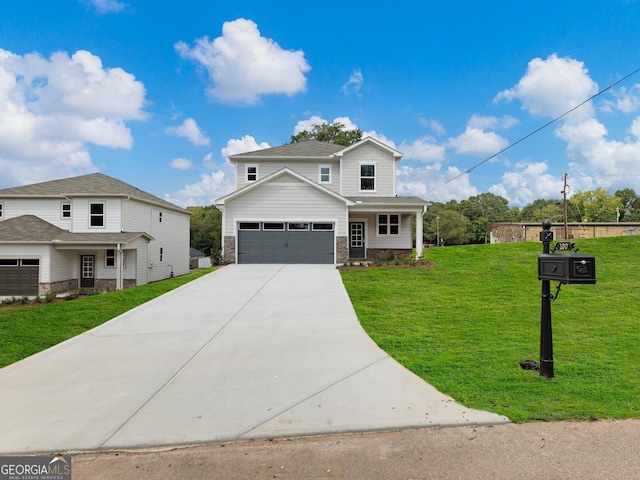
(158, 94)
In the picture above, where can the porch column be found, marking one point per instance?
(118, 268)
(419, 235)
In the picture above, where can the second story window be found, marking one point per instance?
(252, 173)
(1, 209)
(65, 210)
(367, 177)
(325, 174)
(160, 217)
(96, 215)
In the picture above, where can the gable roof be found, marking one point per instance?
(311, 149)
(273, 176)
(92, 185)
(32, 229)
(307, 149)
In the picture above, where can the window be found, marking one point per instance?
(325, 173)
(323, 226)
(110, 257)
(367, 177)
(29, 262)
(96, 215)
(161, 253)
(249, 226)
(1, 210)
(252, 173)
(65, 210)
(10, 262)
(298, 226)
(388, 224)
(273, 226)
(160, 217)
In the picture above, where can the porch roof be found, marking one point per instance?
(386, 203)
(32, 229)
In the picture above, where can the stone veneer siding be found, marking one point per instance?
(229, 249)
(342, 249)
(73, 285)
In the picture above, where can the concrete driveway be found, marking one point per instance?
(248, 351)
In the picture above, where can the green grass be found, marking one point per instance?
(465, 324)
(25, 330)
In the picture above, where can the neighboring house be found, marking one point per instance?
(198, 259)
(91, 231)
(317, 202)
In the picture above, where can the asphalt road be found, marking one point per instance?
(599, 450)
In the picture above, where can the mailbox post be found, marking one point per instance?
(565, 268)
(546, 337)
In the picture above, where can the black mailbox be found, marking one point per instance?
(567, 268)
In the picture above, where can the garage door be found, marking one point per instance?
(19, 277)
(285, 242)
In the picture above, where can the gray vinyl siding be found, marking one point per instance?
(47, 209)
(63, 265)
(172, 235)
(80, 215)
(285, 201)
(385, 172)
(306, 168)
(137, 216)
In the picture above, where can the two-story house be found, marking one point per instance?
(317, 202)
(91, 231)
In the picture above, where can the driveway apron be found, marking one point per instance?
(248, 351)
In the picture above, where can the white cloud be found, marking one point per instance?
(243, 65)
(189, 130)
(354, 84)
(308, 124)
(475, 141)
(424, 149)
(106, 6)
(481, 122)
(429, 183)
(51, 109)
(380, 137)
(530, 181)
(553, 86)
(626, 101)
(181, 163)
(243, 145)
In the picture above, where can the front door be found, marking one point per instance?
(87, 264)
(356, 240)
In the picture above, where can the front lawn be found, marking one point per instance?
(465, 324)
(25, 330)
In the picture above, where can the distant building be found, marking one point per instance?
(502, 232)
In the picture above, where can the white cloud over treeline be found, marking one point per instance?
(51, 109)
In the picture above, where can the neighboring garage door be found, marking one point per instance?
(285, 242)
(19, 277)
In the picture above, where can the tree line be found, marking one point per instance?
(465, 222)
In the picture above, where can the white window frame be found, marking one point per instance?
(159, 217)
(249, 226)
(64, 211)
(388, 224)
(247, 167)
(328, 174)
(107, 257)
(361, 177)
(103, 215)
(1, 209)
(161, 254)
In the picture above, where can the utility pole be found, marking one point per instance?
(564, 203)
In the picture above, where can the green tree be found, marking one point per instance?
(542, 209)
(334, 133)
(595, 205)
(206, 231)
(482, 209)
(455, 228)
(630, 210)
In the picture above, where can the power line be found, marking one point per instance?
(536, 130)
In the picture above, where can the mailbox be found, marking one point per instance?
(567, 268)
